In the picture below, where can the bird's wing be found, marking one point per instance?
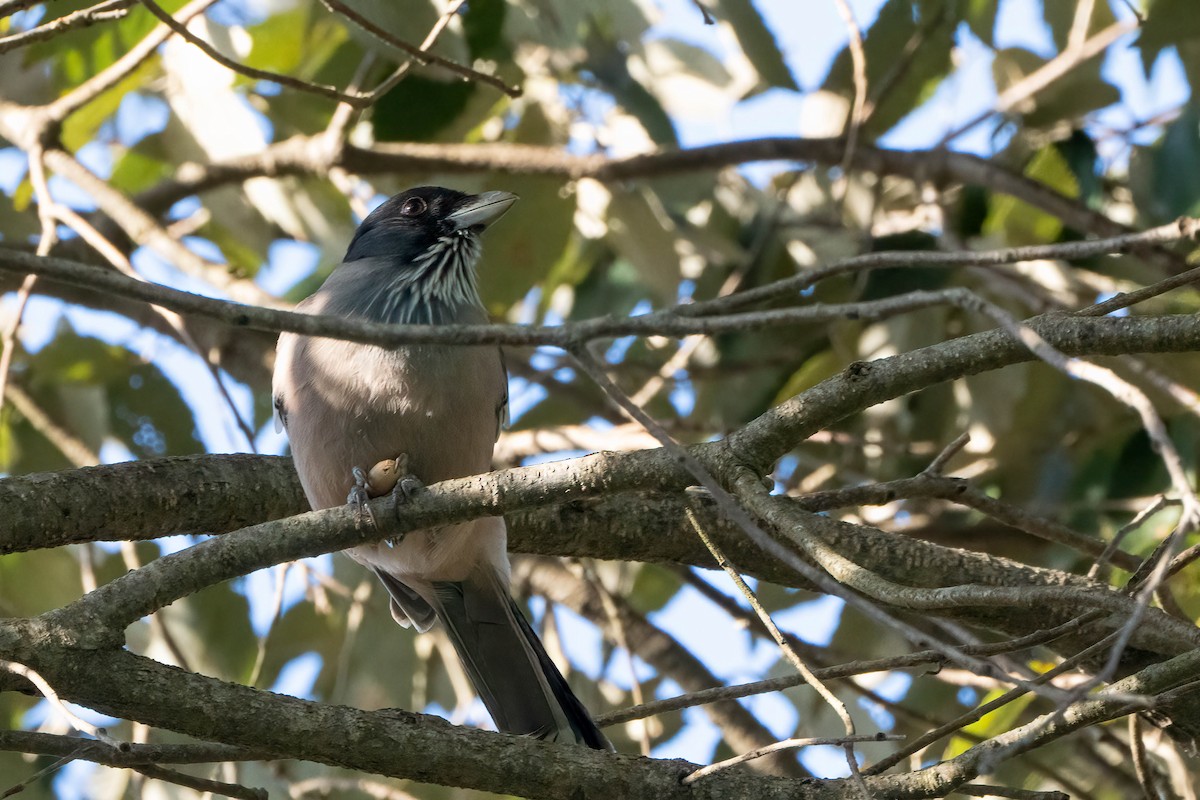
(408, 607)
(280, 413)
(502, 420)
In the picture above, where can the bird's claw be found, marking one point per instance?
(390, 475)
(408, 487)
(358, 497)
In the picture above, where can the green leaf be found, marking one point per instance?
(1167, 23)
(122, 396)
(908, 55)
(302, 629)
(639, 229)
(16, 227)
(1021, 223)
(18, 767)
(483, 26)
(1084, 160)
(653, 588)
(1067, 99)
(244, 257)
(822, 365)
(82, 53)
(281, 41)
(38, 581)
(1060, 17)
(758, 42)
(991, 724)
(380, 661)
(612, 287)
(418, 108)
(1165, 176)
(521, 251)
(81, 127)
(981, 19)
(212, 628)
(608, 63)
(137, 169)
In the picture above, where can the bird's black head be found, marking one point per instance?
(410, 225)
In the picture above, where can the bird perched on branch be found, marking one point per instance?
(438, 410)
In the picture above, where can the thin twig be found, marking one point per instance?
(83, 18)
(298, 156)
(835, 573)
(959, 492)
(681, 320)
(1183, 559)
(1114, 544)
(665, 323)
(100, 83)
(789, 653)
(338, 7)
(858, 61)
(49, 769)
(47, 691)
(1077, 36)
(786, 744)
(260, 656)
(1119, 388)
(917, 659)
(355, 99)
(430, 39)
(984, 790)
(977, 713)
(1127, 299)
(1181, 229)
(234, 790)
(354, 617)
(617, 626)
(948, 452)
(144, 229)
(1152, 423)
(1044, 76)
(46, 242)
(8, 338)
(335, 787)
(114, 256)
(1185, 396)
(1141, 763)
(63, 440)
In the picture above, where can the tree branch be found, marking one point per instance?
(129, 754)
(600, 529)
(390, 742)
(307, 155)
(678, 321)
(83, 18)
(404, 744)
(660, 650)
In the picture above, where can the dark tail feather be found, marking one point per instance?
(510, 669)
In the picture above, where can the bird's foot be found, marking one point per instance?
(358, 497)
(407, 485)
(392, 475)
(406, 488)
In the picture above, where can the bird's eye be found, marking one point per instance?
(413, 207)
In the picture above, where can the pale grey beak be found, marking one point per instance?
(482, 210)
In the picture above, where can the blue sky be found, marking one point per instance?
(810, 34)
